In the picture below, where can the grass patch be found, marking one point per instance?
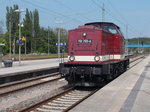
(32, 56)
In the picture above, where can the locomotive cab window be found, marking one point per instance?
(105, 27)
(112, 29)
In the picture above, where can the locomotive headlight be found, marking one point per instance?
(97, 58)
(84, 34)
(71, 58)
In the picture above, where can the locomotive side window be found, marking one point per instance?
(105, 28)
(112, 29)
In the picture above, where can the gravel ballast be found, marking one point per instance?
(17, 101)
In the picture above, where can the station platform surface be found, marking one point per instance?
(29, 65)
(130, 92)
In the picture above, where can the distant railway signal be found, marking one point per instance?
(23, 38)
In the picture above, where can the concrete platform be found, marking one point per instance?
(28, 69)
(130, 92)
(29, 65)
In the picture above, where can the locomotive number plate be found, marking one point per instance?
(84, 41)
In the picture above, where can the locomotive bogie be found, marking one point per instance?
(92, 74)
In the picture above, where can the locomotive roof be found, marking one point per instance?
(100, 23)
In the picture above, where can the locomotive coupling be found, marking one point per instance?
(64, 70)
(96, 71)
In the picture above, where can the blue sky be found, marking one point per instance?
(134, 13)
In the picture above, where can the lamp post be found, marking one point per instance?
(19, 11)
(138, 44)
(25, 51)
(59, 23)
(127, 39)
(10, 39)
(1, 55)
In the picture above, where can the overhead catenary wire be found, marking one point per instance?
(123, 18)
(106, 11)
(115, 9)
(69, 19)
(132, 30)
(51, 11)
(70, 9)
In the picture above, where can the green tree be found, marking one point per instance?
(63, 37)
(12, 17)
(43, 41)
(36, 28)
(53, 41)
(12, 21)
(27, 29)
(1, 27)
(36, 36)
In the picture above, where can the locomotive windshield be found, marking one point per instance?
(110, 29)
(106, 26)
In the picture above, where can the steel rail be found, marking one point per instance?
(143, 57)
(137, 59)
(52, 98)
(27, 80)
(32, 108)
(75, 104)
(29, 86)
(57, 101)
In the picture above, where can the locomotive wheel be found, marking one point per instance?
(125, 67)
(108, 77)
(121, 69)
(116, 72)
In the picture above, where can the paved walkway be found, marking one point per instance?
(130, 92)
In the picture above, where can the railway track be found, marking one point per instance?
(51, 103)
(66, 100)
(135, 61)
(137, 58)
(27, 83)
(62, 102)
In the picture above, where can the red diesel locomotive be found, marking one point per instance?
(95, 54)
